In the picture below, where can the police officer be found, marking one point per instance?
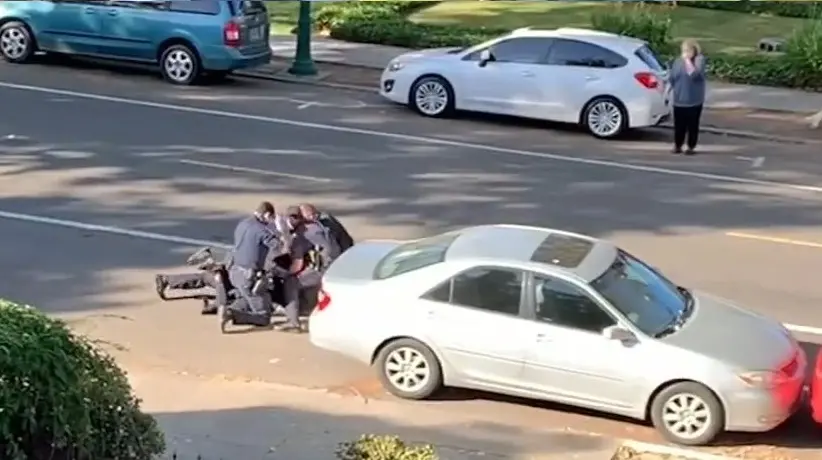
(254, 239)
(334, 228)
(303, 273)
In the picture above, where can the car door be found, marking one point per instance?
(72, 27)
(476, 325)
(582, 71)
(129, 29)
(509, 83)
(569, 358)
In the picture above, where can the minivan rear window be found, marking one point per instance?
(414, 256)
(195, 6)
(248, 6)
(647, 55)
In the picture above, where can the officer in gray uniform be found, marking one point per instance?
(254, 239)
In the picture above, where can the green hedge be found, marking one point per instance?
(62, 399)
(386, 23)
(372, 447)
(785, 9)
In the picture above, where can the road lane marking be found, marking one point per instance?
(197, 242)
(774, 239)
(418, 139)
(111, 230)
(261, 172)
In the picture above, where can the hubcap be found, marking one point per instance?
(687, 416)
(604, 118)
(431, 98)
(179, 65)
(13, 43)
(407, 369)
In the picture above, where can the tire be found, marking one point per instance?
(393, 355)
(432, 96)
(683, 394)
(17, 45)
(605, 118)
(180, 65)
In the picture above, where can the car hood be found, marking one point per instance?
(723, 331)
(429, 53)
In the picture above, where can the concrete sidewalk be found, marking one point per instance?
(721, 95)
(212, 418)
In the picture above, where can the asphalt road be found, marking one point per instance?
(81, 148)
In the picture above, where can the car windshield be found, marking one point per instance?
(645, 297)
(414, 255)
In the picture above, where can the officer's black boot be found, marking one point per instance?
(161, 284)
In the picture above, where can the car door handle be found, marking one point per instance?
(528, 74)
(113, 12)
(591, 78)
(542, 338)
(90, 10)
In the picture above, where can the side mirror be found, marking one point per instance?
(618, 334)
(485, 58)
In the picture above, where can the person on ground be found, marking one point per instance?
(687, 85)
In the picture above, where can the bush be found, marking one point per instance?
(637, 21)
(803, 56)
(785, 9)
(371, 447)
(62, 399)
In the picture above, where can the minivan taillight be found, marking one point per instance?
(323, 300)
(231, 34)
(647, 79)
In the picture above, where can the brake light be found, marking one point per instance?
(231, 34)
(647, 79)
(323, 300)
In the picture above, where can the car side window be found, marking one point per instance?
(493, 289)
(195, 6)
(139, 4)
(580, 54)
(522, 50)
(562, 303)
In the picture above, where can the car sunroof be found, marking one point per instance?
(562, 250)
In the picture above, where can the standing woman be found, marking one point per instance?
(687, 86)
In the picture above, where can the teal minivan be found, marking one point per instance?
(185, 39)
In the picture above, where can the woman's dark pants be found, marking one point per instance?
(686, 125)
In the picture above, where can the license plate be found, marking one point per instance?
(256, 33)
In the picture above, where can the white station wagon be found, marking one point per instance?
(604, 82)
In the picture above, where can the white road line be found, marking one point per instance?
(775, 239)
(196, 242)
(108, 229)
(419, 139)
(209, 164)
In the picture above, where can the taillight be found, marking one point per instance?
(647, 79)
(231, 34)
(323, 300)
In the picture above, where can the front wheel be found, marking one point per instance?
(180, 65)
(16, 42)
(408, 369)
(605, 118)
(688, 413)
(432, 96)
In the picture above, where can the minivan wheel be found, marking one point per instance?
(180, 65)
(605, 118)
(432, 96)
(408, 369)
(16, 43)
(688, 413)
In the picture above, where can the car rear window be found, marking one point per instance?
(248, 6)
(414, 256)
(562, 250)
(647, 55)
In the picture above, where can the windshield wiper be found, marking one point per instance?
(683, 315)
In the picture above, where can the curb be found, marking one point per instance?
(286, 78)
(679, 452)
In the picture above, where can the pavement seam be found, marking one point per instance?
(661, 449)
(368, 89)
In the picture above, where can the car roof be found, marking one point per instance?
(568, 252)
(614, 42)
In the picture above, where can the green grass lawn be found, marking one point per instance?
(283, 16)
(717, 31)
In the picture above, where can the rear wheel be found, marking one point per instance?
(180, 65)
(16, 42)
(605, 118)
(408, 369)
